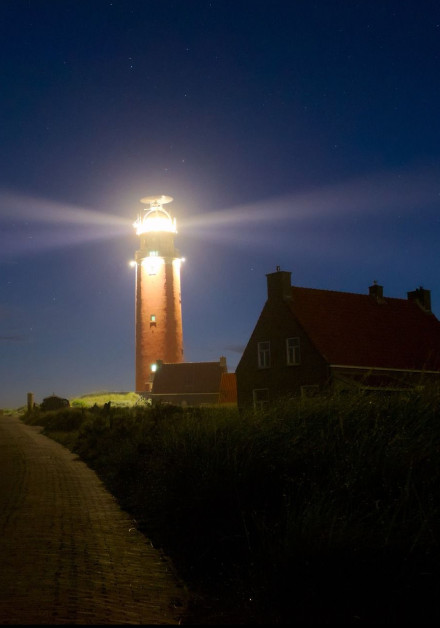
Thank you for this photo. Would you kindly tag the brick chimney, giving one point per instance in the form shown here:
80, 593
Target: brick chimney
376, 291
422, 297
223, 364
279, 285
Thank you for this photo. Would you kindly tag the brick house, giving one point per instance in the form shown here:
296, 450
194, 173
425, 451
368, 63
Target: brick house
193, 384
308, 340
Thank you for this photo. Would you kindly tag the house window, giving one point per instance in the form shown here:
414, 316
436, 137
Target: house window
260, 398
293, 354
264, 354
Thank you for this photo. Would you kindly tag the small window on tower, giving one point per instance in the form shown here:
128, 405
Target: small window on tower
152, 320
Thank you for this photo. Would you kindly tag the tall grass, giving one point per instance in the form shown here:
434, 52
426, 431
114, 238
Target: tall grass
318, 508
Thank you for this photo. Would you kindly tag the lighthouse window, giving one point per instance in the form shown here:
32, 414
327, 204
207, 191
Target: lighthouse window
153, 318
152, 264
154, 253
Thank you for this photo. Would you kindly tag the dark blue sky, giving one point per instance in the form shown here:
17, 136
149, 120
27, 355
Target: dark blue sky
303, 134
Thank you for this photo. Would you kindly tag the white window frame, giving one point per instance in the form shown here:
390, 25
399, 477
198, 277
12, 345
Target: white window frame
263, 353
293, 351
260, 398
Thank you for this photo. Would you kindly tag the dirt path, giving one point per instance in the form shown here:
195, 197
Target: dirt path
68, 553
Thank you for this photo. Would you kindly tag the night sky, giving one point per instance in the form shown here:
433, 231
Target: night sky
302, 134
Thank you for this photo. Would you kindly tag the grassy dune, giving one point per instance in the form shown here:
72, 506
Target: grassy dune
120, 400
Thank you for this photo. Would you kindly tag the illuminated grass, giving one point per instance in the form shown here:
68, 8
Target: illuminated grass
121, 400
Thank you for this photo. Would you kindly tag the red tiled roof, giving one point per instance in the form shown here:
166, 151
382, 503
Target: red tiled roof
359, 330
228, 388
187, 377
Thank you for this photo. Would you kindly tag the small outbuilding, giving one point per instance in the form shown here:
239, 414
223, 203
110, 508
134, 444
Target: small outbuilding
193, 384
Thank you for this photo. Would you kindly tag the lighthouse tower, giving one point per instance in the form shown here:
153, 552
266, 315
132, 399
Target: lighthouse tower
158, 304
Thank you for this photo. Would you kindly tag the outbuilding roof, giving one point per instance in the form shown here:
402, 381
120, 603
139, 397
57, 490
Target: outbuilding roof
228, 388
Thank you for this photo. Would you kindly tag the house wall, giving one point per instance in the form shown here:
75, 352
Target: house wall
349, 379
275, 324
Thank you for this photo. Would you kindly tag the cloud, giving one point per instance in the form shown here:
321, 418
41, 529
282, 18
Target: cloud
235, 348
13, 338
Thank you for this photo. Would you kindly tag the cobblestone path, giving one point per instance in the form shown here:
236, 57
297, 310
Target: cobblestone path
68, 553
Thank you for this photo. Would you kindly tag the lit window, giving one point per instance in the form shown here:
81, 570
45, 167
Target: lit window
264, 354
153, 318
260, 398
152, 263
293, 354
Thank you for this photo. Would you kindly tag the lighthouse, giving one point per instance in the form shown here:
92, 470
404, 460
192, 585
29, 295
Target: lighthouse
158, 310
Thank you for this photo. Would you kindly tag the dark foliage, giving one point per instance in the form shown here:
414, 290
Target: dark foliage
318, 511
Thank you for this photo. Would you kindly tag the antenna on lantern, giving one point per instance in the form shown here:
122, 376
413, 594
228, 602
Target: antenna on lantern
156, 201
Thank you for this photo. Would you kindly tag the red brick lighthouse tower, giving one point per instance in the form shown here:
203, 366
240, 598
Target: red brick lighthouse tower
158, 304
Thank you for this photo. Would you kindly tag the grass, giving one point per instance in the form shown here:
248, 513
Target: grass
322, 510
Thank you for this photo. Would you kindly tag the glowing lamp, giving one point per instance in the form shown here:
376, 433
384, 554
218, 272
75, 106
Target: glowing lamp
156, 218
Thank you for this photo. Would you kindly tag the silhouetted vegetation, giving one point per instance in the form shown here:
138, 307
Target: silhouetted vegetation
320, 510
54, 403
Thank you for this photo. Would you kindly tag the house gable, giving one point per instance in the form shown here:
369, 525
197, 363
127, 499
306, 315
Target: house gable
345, 336
277, 325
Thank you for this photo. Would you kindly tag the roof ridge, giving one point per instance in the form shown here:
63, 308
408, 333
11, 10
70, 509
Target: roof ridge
356, 294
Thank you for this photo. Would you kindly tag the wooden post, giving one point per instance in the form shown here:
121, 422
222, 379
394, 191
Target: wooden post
30, 402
